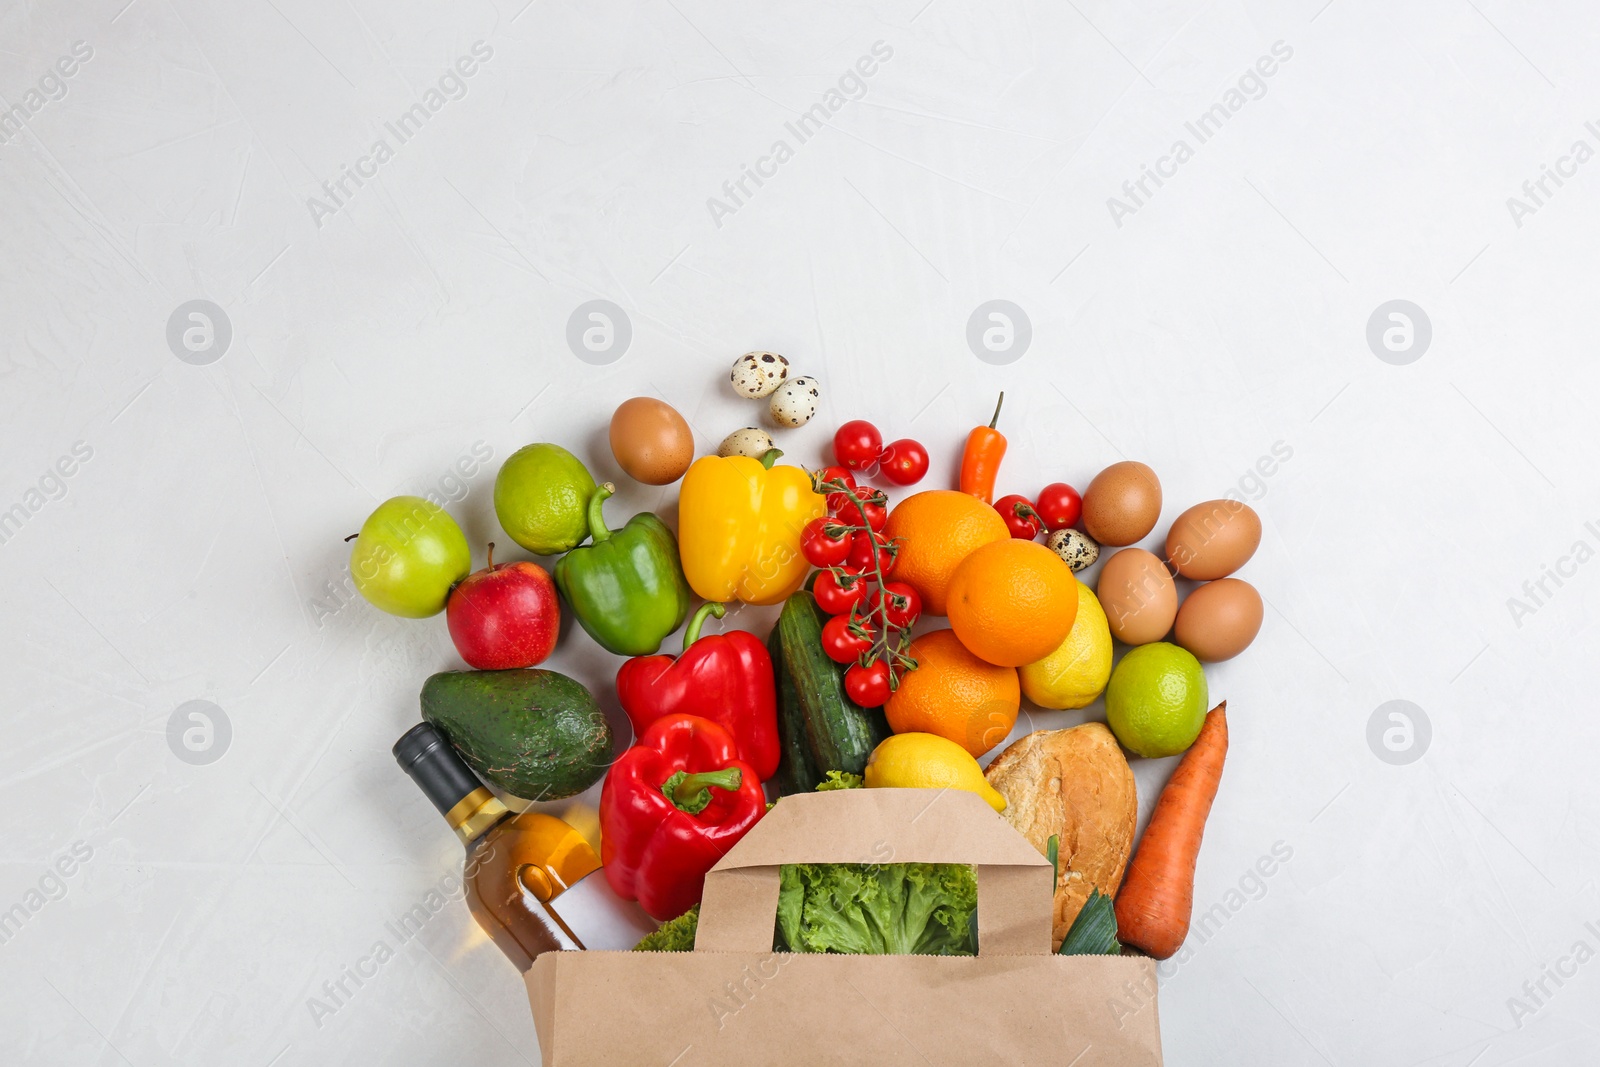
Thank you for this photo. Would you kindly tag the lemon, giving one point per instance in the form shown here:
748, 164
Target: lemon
928, 761
1156, 701
1076, 672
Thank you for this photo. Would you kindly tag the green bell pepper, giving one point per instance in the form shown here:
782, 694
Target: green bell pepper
627, 588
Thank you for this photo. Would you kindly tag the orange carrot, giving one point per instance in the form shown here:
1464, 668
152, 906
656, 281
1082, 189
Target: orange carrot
1157, 895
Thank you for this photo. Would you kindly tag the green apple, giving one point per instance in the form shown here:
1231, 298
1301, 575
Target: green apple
407, 557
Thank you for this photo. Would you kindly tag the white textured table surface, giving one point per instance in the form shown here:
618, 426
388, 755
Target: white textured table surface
1431, 516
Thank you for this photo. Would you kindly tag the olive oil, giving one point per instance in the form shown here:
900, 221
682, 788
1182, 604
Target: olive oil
531, 881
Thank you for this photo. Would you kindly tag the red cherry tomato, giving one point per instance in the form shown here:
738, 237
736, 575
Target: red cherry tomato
904, 605
840, 644
904, 462
877, 514
861, 550
857, 444
833, 474
822, 549
1021, 517
1059, 505
835, 598
868, 686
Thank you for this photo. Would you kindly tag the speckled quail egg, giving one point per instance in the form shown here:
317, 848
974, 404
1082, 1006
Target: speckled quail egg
1078, 549
795, 401
757, 374
746, 442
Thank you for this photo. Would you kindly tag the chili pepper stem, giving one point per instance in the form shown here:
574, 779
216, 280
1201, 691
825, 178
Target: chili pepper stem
690, 793
692, 634
770, 456
997, 404
597, 522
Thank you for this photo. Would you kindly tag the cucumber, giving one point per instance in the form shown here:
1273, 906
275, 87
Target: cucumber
840, 734
797, 772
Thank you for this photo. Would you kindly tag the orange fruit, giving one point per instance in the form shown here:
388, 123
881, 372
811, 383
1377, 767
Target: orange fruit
955, 695
937, 528
1012, 602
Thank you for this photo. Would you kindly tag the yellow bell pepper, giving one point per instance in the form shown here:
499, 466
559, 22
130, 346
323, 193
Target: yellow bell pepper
739, 526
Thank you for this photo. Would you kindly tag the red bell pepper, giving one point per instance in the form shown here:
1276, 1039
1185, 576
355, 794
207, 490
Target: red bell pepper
672, 806
725, 677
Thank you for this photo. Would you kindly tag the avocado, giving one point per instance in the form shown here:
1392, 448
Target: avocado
533, 733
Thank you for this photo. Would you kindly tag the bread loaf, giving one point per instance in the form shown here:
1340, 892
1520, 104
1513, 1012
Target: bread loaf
1077, 785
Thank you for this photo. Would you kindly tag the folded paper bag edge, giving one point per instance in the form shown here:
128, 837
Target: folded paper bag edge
882, 826
541, 985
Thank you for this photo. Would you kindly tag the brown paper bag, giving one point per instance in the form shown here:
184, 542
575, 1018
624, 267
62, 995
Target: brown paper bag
733, 1001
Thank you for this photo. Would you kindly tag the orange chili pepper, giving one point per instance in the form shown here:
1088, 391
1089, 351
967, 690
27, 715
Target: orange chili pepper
980, 461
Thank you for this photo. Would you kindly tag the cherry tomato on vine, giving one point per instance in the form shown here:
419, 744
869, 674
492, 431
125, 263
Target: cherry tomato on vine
1059, 505
861, 551
1021, 517
904, 462
840, 644
857, 444
877, 514
835, 598
834, 474
903, 604
822, 549
868, 686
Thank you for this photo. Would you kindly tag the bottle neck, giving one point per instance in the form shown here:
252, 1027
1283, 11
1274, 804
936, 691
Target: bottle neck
474, 814
445, 779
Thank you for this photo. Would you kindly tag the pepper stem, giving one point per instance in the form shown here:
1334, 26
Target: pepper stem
690, 793
997, 404
597, 520
692, 634
770, 456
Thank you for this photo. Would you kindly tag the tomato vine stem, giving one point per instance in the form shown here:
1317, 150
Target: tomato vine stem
889, 642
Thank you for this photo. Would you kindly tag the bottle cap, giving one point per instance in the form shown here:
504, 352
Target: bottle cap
425, 754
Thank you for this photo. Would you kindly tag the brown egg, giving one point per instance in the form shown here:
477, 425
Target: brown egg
1219, 619
651, 441
1214, 539
1139, 596
1122, 504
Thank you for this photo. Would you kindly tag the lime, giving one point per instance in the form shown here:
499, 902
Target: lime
1156, 702
1076, 672
541, 497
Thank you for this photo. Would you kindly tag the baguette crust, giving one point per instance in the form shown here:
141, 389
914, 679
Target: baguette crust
1075, 784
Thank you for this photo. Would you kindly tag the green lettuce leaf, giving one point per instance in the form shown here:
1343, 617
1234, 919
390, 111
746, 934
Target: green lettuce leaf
924, 909
674, 935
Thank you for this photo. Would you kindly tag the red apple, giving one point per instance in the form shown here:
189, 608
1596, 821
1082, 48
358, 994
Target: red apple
505, 616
